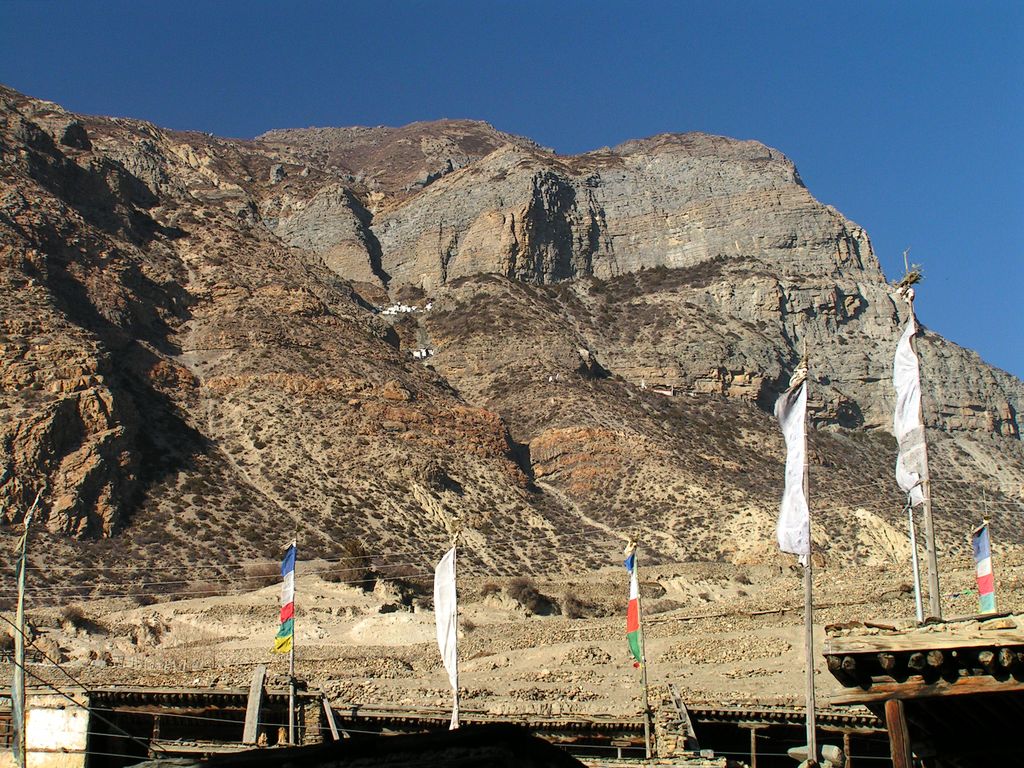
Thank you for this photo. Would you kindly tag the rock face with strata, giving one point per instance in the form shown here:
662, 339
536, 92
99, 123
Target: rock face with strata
373, 333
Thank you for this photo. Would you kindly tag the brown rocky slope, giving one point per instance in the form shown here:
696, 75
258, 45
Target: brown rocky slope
197, 365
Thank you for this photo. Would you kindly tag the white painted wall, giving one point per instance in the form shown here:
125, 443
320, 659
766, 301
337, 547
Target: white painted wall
55, 734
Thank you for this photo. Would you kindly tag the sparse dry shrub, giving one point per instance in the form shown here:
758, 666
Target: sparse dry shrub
352, 567
490, 588
73, 617
524, 592
573, 607
743, 578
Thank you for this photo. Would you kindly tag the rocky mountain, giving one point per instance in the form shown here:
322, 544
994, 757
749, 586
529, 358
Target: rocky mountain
375, 335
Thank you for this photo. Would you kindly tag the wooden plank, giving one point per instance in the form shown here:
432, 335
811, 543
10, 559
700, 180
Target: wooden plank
918, 689
329, 713
252, 709
899, 736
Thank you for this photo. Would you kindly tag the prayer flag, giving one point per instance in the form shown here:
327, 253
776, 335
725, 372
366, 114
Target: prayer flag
982, 547
446, 616
912, 461
286, 633
633, 610
794, 527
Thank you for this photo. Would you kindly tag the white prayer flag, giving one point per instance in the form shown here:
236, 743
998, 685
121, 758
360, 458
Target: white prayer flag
446, 616
794, 528
912, 461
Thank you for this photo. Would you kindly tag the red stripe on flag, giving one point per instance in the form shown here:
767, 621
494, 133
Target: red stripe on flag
287, 611
986, 584
632, 616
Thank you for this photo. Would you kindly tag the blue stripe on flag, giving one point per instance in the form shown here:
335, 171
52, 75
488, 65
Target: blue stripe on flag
631, 562
288, 564
980, 544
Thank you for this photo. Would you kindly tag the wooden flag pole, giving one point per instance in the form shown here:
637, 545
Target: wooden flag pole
455, 576
291, 653
934, 596
643, 660
18, 686
919, 607
812, 746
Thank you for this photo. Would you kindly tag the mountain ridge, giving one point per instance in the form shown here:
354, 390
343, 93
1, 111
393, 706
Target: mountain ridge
196, 328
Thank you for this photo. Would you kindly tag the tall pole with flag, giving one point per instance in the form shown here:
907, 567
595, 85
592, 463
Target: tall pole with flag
635, 635
446, 617
18, 681
794, 527
285, 640
908, 426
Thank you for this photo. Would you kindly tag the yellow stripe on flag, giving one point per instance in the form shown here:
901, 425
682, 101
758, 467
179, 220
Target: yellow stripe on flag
283, 644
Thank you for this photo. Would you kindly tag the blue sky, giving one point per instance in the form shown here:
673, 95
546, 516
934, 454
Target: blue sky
908, 117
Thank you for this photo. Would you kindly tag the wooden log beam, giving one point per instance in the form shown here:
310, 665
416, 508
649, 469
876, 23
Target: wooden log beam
915, 641
899, 736
934, 658
887, 661
1006, 658
919, 689
917, 662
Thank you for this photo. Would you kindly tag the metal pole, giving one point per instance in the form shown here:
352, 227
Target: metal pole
643, 664
934, 596
913, 559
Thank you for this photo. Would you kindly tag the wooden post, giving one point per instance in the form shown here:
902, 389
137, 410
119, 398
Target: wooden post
291, 653
250, 732
846, 750
899, 736
812, 746
691, 742
934, 601
455, 575
918, 605
753, 748
329, 714
643, 663
19, 715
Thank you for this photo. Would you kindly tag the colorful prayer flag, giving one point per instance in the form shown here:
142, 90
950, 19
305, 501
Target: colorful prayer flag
794, 527
286, 634
633, 609
982, 547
